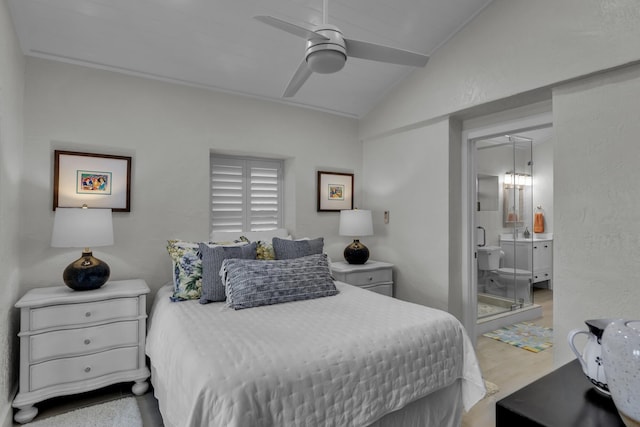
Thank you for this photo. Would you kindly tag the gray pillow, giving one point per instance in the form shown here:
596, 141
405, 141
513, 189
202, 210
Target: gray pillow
212, 258
287, 249
252, 283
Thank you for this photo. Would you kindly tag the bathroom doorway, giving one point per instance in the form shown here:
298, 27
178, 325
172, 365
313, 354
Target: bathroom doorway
503, 195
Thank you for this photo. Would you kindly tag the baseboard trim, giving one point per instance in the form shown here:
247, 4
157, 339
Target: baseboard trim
492, 323
7, 417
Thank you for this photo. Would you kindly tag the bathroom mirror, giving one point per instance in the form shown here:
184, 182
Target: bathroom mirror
513, 197
487, 192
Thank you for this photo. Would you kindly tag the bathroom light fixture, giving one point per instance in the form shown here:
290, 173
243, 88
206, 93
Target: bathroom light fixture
83, 228
356, 223
519, 179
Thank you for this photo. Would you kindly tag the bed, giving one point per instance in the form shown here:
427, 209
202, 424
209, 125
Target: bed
356, 358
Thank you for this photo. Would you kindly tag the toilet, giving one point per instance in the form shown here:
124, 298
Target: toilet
498, 280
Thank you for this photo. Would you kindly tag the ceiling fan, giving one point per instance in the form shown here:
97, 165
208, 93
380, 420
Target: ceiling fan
327, 50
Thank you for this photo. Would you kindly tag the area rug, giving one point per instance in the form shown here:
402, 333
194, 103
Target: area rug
117, 413
528, 336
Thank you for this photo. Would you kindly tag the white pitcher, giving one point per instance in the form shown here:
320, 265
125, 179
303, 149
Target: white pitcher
621, 354
591, 356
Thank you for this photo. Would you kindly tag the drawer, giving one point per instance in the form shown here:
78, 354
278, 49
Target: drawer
368, 277
78, 314
384, 289
72, 369
541, 276
71, 342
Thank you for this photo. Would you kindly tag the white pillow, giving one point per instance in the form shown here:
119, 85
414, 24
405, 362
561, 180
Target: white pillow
253, 236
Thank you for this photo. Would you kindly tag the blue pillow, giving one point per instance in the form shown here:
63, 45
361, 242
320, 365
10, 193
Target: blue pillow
287, 249
252, 283
212, 258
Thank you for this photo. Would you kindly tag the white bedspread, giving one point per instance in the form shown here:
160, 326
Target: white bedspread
342, 360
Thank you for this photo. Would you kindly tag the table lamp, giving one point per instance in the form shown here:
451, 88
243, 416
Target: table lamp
83, 228
356, 223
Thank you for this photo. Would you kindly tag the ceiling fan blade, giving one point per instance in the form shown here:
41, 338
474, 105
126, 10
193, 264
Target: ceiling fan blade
301, 75
294, 29
376, 52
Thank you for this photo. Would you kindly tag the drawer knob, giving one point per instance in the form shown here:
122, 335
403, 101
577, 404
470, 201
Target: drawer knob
370, 278
87, 314
87, 341
87, 369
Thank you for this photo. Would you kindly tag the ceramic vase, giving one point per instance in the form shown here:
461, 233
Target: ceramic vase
621, 359
591, 356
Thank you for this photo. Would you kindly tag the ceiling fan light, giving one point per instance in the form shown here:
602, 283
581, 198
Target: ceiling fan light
326, 61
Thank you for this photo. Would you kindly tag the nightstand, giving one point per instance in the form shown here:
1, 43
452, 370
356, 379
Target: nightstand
72, 341
375, 276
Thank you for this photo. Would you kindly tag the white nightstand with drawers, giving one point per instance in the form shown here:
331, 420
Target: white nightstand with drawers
77, 341
376, 276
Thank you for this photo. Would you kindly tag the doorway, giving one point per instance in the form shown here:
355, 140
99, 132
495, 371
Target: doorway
499, 206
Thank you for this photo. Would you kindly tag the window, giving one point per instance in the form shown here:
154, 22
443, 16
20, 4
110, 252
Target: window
246, 193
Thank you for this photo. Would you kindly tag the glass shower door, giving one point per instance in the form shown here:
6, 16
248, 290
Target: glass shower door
505, 225
517, 243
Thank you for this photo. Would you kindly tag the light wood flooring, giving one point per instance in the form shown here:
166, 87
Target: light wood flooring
509, 367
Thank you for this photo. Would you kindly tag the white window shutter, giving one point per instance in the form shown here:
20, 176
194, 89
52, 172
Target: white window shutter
246, 194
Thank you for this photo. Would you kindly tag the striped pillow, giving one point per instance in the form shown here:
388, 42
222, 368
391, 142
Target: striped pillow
251, 283
212, 258
287, 249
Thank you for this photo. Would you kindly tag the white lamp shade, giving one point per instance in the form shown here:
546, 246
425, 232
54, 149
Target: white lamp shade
355, 223
82, 228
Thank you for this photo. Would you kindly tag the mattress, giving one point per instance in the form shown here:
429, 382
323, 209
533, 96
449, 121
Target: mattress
348, 359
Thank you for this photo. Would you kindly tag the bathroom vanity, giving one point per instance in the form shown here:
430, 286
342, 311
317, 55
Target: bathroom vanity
532, 254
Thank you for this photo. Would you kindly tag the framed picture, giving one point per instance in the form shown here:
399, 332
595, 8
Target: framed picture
335, 191
97, 180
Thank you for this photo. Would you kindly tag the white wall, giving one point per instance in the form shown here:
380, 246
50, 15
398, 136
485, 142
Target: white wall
511, 54
597, 201
543, 180
11, 124
511, 47
169, 130
416, 195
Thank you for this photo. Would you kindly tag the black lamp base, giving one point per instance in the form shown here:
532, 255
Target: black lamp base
356, 253
86, 273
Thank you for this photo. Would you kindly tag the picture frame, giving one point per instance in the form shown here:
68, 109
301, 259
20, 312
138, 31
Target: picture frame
335, 191
97, 180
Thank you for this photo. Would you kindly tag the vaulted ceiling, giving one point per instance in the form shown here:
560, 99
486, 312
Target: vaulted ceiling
217, 44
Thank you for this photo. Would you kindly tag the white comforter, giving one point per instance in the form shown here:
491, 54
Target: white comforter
342, 360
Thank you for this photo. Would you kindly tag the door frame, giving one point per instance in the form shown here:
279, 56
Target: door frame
531, 117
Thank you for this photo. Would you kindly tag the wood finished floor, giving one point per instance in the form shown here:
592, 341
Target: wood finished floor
509, 367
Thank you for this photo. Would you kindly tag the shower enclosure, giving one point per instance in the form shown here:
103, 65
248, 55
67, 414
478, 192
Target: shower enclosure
504, 220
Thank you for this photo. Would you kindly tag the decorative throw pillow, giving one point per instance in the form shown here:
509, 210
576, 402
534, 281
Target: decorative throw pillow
187, 267
288, 249
264, 251
251, 283
187, 270
212, 258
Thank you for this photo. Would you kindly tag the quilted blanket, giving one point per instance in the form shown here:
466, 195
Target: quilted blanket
347, 359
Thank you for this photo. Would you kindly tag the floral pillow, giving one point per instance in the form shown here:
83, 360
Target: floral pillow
187, 267
264, 251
